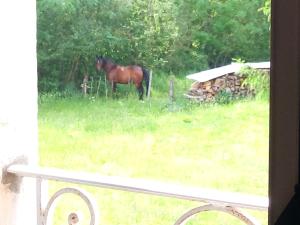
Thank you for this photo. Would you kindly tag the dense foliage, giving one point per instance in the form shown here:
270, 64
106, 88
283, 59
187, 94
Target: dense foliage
169, 36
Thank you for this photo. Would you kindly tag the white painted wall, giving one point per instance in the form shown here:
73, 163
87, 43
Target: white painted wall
18, 108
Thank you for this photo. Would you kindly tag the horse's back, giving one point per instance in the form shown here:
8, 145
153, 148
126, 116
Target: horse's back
135, 68
136, 73
126, 74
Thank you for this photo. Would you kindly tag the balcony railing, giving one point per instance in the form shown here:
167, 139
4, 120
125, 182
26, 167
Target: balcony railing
227, 202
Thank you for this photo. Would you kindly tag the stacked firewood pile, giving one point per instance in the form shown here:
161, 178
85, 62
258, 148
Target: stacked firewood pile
232, 84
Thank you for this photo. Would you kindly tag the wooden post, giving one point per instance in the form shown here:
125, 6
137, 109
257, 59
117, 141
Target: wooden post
150, 83
171, 91
106, 91
84, 84
18, 113
98, 87
92, 84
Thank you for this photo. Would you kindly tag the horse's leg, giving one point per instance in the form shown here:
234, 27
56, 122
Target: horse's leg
113, 88
140, 89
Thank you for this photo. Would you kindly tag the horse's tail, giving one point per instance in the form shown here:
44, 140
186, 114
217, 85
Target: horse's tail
146, 78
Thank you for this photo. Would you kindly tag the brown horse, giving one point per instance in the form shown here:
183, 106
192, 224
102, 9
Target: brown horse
124, 74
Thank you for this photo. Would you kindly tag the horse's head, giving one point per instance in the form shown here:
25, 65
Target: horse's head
99, 62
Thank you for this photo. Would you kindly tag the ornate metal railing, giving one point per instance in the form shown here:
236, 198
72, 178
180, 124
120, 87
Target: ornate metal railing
215, 200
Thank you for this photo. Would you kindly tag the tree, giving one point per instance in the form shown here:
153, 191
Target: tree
167, 35
266, 9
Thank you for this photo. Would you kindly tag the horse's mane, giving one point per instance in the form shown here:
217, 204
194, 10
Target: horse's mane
108, 61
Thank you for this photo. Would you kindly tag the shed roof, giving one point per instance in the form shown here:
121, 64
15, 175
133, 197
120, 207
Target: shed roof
221, 71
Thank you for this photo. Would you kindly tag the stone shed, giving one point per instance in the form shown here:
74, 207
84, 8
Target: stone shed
226, 78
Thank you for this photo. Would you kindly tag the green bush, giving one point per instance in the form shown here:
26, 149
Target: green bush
258, 81
224, 97
169, 36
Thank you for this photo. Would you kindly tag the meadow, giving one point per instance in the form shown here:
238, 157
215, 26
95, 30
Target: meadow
218, 146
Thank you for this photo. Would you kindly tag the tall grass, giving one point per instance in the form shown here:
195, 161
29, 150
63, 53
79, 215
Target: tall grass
257, 80
215, 146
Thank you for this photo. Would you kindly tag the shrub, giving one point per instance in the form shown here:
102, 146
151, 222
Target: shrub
258, 81
224, 97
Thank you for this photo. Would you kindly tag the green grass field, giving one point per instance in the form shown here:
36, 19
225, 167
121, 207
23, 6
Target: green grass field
223, 147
